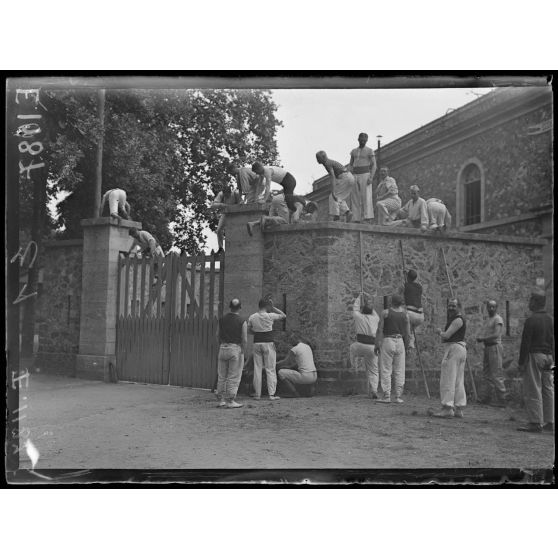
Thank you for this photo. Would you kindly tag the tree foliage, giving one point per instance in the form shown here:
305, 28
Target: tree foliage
169, 149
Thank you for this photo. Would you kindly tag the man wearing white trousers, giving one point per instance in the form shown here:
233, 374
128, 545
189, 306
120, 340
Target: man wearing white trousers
233, 339
366, 326
392, 342
260, 325
452, 375
387, 196
343, 189
363, 167
116, 200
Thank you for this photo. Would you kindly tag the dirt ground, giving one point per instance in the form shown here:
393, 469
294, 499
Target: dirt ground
94, 425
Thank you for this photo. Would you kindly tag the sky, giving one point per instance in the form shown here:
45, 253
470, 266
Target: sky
331, 119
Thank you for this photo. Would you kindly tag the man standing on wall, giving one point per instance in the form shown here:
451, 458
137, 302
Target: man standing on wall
414, 213
493, 372
225, 197
452, 376
412, 293
233, 339
363, 166
260, 325
391, 343
249, 183
536, 360
343, 188
366, 326
387, 196
280, 176
116, 200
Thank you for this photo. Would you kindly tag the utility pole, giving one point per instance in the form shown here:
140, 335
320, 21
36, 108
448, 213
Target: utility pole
99, 158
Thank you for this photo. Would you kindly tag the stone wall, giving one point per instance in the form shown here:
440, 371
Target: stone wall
59, 303
318, 268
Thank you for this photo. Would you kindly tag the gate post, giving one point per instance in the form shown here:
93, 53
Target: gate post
244, 261
103, 240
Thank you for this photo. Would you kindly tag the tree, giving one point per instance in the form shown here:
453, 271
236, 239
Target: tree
168, 149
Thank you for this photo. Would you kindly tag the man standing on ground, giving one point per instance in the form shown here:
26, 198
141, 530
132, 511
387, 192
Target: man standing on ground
391, 343
412, 294
387, 196
343, 188
249, 184
452, 376
363, 166
301, 358
536, 360
225, 197
414, 213
260, 325
438, 215
233, 339
493, 371
116, 200
366, 326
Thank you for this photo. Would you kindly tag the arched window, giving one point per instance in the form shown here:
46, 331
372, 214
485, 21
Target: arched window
470, 193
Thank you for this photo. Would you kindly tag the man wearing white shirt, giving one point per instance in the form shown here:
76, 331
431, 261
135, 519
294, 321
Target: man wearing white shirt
300, 357
260, 325
366, 325
363, 167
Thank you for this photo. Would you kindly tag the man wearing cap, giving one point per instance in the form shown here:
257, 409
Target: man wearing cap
233, 338
363, 167
493, 372
439, 217
343, 189
116, 200
452, 375
414, 213
536, 360
366, 322
387, 196
391, 344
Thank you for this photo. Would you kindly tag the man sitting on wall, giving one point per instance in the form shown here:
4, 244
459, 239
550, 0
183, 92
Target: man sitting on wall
298, 369
414, 213
389, 202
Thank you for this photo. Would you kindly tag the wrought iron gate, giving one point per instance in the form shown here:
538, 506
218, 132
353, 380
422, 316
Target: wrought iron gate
167, 319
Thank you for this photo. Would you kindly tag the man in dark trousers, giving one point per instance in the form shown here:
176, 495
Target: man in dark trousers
392, 342
536, 361
233, 337
493, 371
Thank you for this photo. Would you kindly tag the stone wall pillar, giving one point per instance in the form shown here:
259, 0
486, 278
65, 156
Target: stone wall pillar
243, 259
103, 239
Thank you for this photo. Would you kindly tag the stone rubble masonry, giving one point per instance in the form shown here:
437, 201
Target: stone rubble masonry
59, 306
318, 267
103, 240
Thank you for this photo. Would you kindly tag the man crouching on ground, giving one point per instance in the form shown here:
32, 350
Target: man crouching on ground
301, 358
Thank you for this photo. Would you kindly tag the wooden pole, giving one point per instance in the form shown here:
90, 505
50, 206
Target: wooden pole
99, 157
